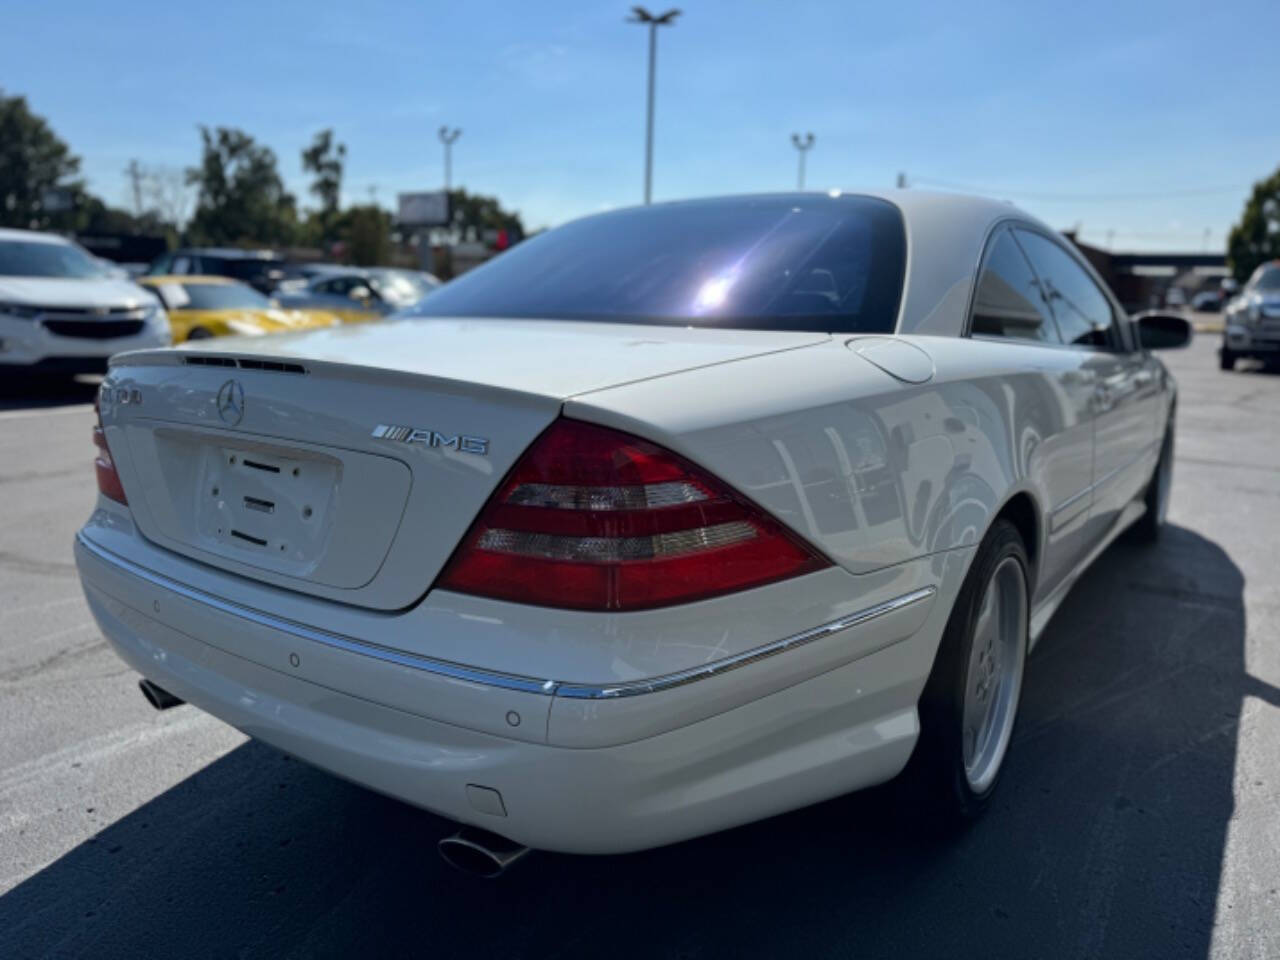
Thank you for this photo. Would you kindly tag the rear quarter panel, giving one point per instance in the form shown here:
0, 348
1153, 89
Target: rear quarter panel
874, 471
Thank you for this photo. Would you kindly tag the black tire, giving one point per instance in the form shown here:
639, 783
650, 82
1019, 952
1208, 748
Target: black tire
936, 771
1226, 359
1156, 498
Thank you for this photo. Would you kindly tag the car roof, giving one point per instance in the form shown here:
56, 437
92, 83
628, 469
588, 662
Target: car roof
946, 235
156, 279
30, 236
229, 253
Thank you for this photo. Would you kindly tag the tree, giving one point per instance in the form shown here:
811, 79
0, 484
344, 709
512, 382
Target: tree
167, 193
324, 158
366, 230
1256, 238
473, 214
33, 161
241, 198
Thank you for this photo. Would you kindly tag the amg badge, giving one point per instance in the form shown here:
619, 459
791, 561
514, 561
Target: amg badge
431, 438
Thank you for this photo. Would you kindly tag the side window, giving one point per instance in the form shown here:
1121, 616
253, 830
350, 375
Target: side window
337, 288
1009, 302
181, 265
1082, 310
160, 266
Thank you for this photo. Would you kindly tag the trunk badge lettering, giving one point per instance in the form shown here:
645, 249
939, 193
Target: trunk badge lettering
432, 438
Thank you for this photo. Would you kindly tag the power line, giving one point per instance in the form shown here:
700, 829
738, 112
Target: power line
1078, 197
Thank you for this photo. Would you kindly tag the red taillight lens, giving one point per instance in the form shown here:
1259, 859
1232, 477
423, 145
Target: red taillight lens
103, 465
595, 519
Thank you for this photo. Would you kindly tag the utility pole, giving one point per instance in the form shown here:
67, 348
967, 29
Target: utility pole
134, 173
643, 16
1208, 231
447, 137
902, 181
804, 145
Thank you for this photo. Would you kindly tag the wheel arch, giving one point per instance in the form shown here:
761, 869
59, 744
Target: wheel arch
1022, 510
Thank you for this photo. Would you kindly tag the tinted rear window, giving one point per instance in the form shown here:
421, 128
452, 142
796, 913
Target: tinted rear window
831, 264
220, 296
240, 268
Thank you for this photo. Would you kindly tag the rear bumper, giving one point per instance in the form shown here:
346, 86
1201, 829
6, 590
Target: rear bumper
432, 737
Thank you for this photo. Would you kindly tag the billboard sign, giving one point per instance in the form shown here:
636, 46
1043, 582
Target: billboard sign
429, 209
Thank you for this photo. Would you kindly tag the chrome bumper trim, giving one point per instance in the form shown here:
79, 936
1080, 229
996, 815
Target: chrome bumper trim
668, 681
507, 681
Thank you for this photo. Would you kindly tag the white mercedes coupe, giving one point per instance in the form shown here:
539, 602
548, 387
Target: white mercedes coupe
666, 520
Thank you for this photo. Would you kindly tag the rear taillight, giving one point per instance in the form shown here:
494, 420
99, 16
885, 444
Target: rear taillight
595, 519
103, 465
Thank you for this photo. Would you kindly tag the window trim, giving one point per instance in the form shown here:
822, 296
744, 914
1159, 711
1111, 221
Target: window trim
1115, 333
1005, 226
1129, 345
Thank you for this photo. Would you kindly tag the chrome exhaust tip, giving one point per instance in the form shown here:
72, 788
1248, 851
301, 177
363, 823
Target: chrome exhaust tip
157, 696
480, 853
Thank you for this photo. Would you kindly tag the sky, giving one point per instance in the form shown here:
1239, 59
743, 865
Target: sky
1143, 124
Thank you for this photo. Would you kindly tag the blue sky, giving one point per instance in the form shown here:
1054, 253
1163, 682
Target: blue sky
1147, 119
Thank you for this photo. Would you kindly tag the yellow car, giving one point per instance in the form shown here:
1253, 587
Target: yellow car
202, 307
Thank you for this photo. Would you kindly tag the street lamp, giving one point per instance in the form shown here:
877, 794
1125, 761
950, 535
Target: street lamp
804, 145
447, 137
641, 15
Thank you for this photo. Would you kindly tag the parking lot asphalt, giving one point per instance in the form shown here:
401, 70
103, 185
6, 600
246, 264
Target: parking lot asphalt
1139, 815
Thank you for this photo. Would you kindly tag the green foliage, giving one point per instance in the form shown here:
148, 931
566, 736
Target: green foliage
94, 216
240, 196
366, 231
478, 212
1256, 238
33, 159
324, 158
242, 199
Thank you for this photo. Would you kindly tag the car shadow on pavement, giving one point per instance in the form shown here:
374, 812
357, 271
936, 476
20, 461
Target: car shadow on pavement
1106, 838
24, 391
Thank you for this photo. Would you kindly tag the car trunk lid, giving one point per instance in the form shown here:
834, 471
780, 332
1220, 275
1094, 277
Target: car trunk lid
348, 463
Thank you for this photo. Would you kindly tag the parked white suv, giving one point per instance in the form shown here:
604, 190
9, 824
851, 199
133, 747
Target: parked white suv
60, 309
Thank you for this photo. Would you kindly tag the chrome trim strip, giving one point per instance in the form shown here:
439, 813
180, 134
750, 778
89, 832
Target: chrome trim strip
668, 681
1069, 502
1097, 485
507, 681
445, 668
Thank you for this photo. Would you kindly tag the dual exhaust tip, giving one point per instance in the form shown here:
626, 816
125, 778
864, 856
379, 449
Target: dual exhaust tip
471, 850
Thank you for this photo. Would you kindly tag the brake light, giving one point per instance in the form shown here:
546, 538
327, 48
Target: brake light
594, 519
103, 465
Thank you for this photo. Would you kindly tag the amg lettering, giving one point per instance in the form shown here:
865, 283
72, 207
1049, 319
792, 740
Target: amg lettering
462, 443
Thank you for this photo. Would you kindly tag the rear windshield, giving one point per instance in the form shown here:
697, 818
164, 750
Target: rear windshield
212, 296
243, 268
797, 262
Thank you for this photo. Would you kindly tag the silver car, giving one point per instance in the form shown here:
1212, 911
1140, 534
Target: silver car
1252, 327
361, 293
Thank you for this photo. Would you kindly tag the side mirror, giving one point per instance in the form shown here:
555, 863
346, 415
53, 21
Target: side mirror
1162, 331
361, 293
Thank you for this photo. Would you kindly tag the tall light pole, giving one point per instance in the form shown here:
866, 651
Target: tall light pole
804, 145
641, 15
447, 137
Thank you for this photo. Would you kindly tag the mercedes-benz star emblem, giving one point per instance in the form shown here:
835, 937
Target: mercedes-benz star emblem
231, 402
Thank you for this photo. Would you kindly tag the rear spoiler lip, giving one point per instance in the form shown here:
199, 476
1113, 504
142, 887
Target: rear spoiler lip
352, 372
